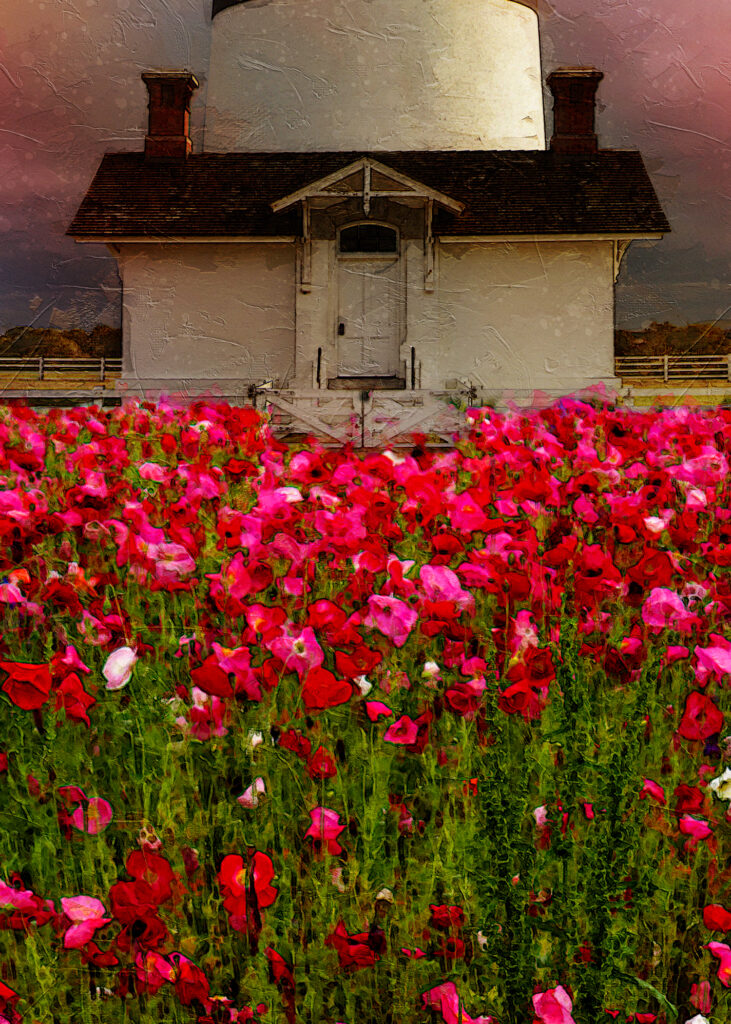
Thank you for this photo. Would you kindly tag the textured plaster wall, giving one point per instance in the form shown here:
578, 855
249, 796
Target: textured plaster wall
520, 315
504, 315
371, 74
212, 311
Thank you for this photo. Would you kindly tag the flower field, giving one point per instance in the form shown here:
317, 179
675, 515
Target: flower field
304, 736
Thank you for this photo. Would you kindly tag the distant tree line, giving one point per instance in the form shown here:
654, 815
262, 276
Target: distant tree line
655, 340
19, 342
702, 339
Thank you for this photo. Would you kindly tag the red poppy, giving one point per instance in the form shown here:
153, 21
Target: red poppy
357, 663
690, 799
190, 982
654, 569
27, 685
154, 871
423, 723
446, 546
521, 697
73, 698
90, 953
322, 690
8, 1000
353, 951
701, 717
321, 764
326, 617
716, 918
451, 948
131, 901
463, 698
210, 678
446, 917
234, 878
279, 968
293, 740
146, 931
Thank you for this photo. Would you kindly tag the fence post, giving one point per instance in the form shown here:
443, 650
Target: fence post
40, 367
665, 368
102, 368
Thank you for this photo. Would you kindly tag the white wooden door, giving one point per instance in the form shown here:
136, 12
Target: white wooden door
369, 317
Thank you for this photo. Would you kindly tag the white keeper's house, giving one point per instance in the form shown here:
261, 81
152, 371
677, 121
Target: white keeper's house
376, 221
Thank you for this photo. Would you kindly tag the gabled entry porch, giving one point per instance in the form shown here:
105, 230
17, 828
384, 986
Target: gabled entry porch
365, 259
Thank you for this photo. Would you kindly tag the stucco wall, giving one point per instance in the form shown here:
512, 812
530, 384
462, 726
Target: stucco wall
519, 315
209, 310
291, 75
503, 315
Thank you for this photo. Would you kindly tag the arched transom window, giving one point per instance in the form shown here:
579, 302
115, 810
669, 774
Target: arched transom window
368, 238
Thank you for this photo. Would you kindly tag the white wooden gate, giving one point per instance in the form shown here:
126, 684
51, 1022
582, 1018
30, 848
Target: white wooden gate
376, 419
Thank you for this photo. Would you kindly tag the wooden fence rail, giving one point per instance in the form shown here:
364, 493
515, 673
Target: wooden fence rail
38, 368
665, 368
676, 367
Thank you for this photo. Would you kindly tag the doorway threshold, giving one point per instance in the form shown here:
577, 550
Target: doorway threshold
366, 383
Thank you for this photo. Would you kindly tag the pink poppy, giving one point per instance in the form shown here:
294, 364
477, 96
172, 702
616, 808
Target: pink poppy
299, 650
86, 915
265, 620
553, 1006
404, 730
664, 609
700, 997
153, 970
237, 662
465, 513
442, 584
445, 999
652, 789
712, 661
19, 899
118, 667
698, 828
98, 815
722, 952
394, 618
326, 827
172, 562
250, 796
376, 708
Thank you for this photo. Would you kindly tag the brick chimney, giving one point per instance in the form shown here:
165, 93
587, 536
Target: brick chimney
169, 120
574, 90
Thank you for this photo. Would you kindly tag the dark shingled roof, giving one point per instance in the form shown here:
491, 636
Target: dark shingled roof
525, 192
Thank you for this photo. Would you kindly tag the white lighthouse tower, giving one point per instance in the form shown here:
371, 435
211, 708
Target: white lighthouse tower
327, 75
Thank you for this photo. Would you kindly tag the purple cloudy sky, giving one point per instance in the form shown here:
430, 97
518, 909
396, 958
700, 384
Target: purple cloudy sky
70, 89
